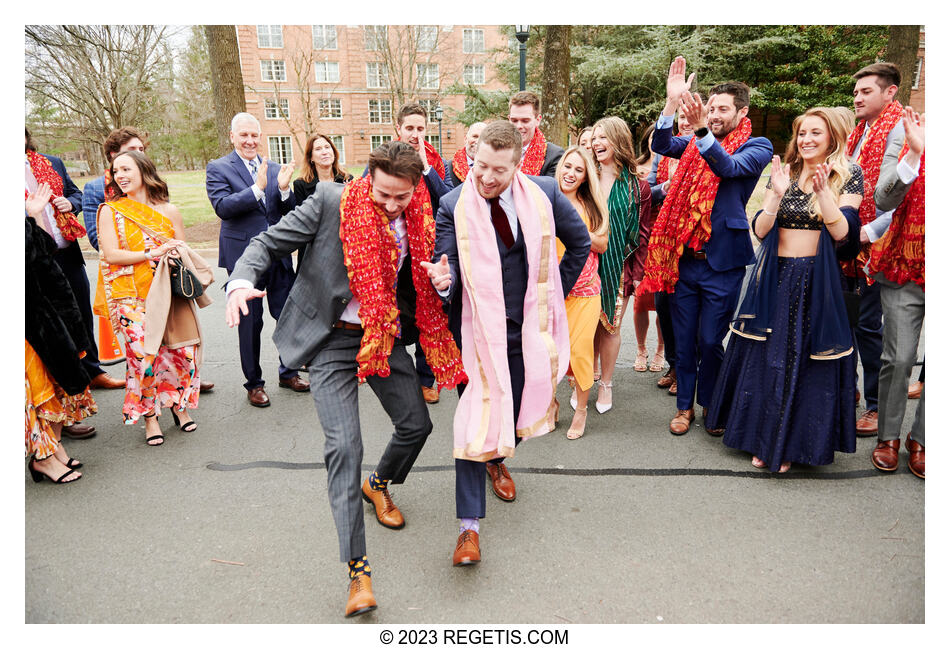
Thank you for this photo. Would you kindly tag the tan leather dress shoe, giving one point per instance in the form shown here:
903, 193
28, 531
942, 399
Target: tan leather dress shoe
105, 382
667, 379
867, 424
387, 513
884, 455
501, 482
361, 599
79, 431
916, 460
206, 386
258, 397
467, 552
913, 392
681, 422
295, 383
431, 395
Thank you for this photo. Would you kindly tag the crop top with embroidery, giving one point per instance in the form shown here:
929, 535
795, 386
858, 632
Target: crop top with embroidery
793, 211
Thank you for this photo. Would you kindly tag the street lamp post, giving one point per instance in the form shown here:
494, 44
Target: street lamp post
521, 33
438, 118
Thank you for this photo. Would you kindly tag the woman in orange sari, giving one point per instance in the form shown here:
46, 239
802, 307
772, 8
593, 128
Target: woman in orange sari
57, 385
136, 229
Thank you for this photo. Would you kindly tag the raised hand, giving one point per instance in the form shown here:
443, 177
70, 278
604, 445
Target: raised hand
819, 181
781, 176
237, 304
676, 82
693, 109
261, 180
914, 130
439, 273
38, 200
283, 176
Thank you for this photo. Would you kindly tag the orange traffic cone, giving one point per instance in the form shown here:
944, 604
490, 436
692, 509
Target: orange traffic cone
110, 352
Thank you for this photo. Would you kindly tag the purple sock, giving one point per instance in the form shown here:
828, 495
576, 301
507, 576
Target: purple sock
468, 524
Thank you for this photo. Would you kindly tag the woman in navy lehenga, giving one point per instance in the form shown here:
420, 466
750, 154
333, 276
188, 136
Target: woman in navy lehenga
785, 392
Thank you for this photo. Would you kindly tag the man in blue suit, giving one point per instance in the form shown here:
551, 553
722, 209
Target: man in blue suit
710, 279
248, 194
497, 158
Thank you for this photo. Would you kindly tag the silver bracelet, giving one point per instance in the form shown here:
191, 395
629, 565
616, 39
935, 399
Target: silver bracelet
767, 213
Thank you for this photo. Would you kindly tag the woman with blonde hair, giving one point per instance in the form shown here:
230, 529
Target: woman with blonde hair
628, 206
785, 392
321, 163
577, 179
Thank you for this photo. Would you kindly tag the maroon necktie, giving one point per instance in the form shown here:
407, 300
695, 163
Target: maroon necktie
500, 220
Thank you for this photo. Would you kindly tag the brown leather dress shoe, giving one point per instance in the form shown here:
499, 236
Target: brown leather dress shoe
105, 382
206, 386
916, 460
501, 482
387, 513
715, 432
79, 431
672, 389
867, 424
295, 383
431, 395
258, 397
681, 422
467, 552
361, 599
884, 455
913, 392
857, 397
667, 379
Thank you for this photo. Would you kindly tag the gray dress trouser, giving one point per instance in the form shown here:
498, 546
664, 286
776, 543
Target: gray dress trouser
903, 306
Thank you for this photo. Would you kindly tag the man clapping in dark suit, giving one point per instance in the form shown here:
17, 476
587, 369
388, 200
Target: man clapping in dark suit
249, 195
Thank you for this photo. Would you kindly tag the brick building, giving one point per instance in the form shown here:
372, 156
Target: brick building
348, 81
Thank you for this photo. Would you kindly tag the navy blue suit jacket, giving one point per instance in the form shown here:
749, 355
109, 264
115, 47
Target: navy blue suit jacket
730, 244
242, 217
74, 195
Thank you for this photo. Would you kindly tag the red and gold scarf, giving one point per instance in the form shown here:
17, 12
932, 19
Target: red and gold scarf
870, 158
533, 158
460, 164
69, 226
663, 170
899, 254
686, 215
371, 255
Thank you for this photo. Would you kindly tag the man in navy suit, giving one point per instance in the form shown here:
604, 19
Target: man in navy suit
457, 165
710, 279
248, 194
496, 161
524, 111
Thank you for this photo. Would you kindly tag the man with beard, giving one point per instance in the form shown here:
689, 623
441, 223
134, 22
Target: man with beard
464, 158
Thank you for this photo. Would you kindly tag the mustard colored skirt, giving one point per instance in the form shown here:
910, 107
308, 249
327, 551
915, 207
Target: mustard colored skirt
583, 314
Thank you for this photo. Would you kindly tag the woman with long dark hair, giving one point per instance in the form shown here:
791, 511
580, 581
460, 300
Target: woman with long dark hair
321, 163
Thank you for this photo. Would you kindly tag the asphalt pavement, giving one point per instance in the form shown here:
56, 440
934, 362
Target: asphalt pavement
629, 524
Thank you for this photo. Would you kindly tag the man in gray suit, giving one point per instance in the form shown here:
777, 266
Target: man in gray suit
322, 325
902, 303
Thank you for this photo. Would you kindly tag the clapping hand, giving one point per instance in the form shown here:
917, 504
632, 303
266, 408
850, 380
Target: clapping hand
676, 82
261, 180
781, 176
283, 176
693, 109
914, 130
38, 200
439, 273
819, 181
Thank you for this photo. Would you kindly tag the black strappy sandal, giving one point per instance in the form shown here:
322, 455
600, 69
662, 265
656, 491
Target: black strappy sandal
160, 436
38, 475
188, 426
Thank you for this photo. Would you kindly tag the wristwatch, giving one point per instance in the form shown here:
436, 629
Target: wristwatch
700, 133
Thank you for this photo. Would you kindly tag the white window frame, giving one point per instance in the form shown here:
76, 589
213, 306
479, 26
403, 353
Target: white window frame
274, 107
380, 140
917, 70
430, 105
473, 45
269, 34
332, 106
273, 65
384, 111
373, 36
430, 41
331, 71
338, 143
284, 152
469, 76
433, 140
379, 79
328, 42
427, 81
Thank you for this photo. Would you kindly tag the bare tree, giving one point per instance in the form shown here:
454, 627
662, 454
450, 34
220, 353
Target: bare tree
903, 42
556, 83
227, 84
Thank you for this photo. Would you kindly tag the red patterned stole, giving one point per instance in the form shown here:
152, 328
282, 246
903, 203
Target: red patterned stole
533, 158
899, 254
663, 170
69, 227
371, 255
460, 164
686, 215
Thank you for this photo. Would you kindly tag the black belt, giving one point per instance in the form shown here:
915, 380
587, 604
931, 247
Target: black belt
695, 254
350, 326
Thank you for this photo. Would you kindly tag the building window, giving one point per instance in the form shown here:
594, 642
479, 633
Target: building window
276, 108
324, 37
474, 74
375, 141
376, 76
473, 41
273, 71
428, 74
433, 140
330, 109
426, 37
278, 149
327, 71
920, 65
338, 143
430, 105
375, 36
270, 36
380, 111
